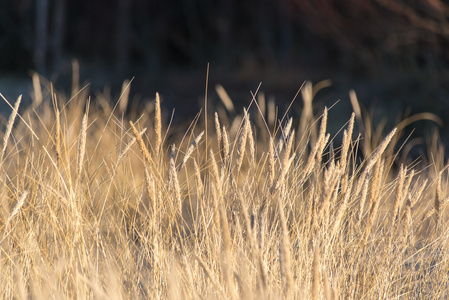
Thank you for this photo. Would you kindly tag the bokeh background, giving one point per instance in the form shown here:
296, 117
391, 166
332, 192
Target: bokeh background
394, 54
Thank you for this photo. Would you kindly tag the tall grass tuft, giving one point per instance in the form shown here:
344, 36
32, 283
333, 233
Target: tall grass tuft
95, 206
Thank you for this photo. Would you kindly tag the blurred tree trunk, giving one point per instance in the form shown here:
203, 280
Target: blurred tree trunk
265, 31
58, 33
41, 37
285, 33
195, 45
122, 31
224, 25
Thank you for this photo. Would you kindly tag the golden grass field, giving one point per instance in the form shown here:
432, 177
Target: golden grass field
99, 204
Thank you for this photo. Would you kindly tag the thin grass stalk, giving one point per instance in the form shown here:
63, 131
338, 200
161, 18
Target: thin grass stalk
219, 135
437, 201
338, 192
216, 173
407, 216
247, 220
408, 204
236, 126
356, 107
331, 152
281, 178
128, 146
158, 124
361, 181
227, 242
284, 135
408, 183
15, 211
322, 137
310, 209
124, 98
82, 143
9, 125
377, 154
24, 171
272, 111
224, 97
75, 78
323, 126
347, 136
216, 191
307, 112
211, 277
174, 182
200, 194
316, 274
37, 90
254, 247
226, 147
189, 277
373, 200
399, 193
417, 195
252, 147
285, 253
288, 148
261, 105
341, 211
261, 239
199, 181
58, 137
331, 180
190, 149
271, 164
315, 155
363, 199
141, 143
242, 142
151, 190
407, 220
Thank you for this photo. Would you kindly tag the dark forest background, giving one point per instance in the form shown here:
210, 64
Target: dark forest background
393, 53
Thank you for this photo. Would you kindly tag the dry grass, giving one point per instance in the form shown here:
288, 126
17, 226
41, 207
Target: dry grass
94, 205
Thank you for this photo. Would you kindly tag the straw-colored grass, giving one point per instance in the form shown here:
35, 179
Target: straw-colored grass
95, 206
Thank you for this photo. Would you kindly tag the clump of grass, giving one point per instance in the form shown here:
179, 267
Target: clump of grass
251, 210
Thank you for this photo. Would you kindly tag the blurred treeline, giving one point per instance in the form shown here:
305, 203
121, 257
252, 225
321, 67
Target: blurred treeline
392, 52
355, 34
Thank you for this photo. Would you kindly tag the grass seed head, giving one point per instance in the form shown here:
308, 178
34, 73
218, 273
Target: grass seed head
9, 125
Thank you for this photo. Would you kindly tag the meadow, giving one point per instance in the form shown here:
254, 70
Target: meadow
97, 203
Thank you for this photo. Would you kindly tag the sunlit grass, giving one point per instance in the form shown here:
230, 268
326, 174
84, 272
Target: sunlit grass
99, 204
